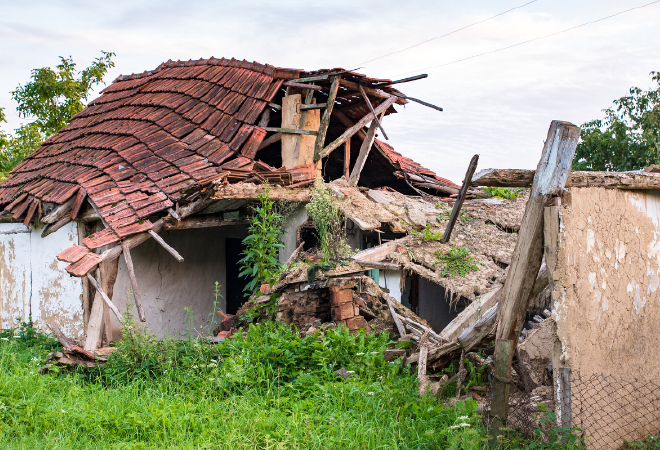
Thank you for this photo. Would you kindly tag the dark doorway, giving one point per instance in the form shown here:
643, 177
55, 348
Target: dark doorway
235, 284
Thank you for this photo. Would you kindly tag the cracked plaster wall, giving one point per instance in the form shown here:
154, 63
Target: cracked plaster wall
607, 300
34, 283
168, 286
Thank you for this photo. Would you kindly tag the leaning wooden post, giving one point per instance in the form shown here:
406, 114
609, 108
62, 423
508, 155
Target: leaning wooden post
549, 180
461, 198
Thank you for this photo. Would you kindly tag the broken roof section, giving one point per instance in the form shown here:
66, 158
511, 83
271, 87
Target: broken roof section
157, 139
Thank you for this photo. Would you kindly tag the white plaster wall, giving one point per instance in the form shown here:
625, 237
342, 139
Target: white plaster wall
168, 287
290, 236
34, 283
391, 279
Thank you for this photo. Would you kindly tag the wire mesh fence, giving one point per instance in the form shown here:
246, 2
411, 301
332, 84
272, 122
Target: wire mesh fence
607, 412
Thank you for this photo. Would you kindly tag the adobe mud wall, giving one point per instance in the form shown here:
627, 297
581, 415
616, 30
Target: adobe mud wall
607, 307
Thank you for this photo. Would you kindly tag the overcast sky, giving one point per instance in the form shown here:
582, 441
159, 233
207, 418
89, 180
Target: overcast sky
498, 105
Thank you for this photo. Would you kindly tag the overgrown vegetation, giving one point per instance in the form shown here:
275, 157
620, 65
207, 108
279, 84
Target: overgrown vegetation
457, 261
329, 223
51, 98
270, 389
260, 262
505, 193
628, 138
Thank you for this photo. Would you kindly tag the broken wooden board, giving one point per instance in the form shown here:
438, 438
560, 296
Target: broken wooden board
577, 179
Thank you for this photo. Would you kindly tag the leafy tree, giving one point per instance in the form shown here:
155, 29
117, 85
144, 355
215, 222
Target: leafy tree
51, 98
629, 136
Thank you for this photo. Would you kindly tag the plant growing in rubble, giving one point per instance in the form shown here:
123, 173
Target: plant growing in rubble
427, 235
457, 261
329, 223
260, 262
500, 192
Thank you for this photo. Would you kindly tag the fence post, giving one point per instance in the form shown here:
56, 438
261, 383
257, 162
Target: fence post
565, 397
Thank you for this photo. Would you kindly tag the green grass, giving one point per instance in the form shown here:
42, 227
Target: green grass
269, 390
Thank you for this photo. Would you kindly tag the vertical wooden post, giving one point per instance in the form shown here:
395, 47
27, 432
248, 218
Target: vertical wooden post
347, 158
501, 381
461, 198
550, 179
325, 120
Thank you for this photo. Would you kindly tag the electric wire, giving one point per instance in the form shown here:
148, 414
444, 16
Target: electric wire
445, 35
527, 41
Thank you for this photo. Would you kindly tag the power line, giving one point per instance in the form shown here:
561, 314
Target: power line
529, 40
445, 35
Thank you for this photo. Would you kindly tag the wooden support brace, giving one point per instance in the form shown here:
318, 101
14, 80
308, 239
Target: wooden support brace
461, 198
367, 143
399, 325
275, 106
313, 106
550, 179
355, 128
131, 274
270, 140
313, 87
106, 299
166, 246
291, 131
371, 108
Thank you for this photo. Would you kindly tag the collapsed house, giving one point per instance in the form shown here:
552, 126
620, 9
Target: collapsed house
143, 197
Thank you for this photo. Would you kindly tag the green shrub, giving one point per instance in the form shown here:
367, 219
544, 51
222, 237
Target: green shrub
260, 262
457, 261
329, 224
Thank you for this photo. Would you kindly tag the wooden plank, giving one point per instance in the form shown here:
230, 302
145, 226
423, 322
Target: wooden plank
378, 265
565, 397
404, 80
365, 148
265, 118
313, 106
379, 252
165, 245
313, 87
292, 131
550, 178
106, 299
275, 106
551, 240
576, 179
59, 212
371, 108
325, 120
270, 140
458, 204
203, 222
316, 78
355, 128
53, 227
421, 102
137, 297
95, 322
423, 355
373, 92
347, 159
395, 317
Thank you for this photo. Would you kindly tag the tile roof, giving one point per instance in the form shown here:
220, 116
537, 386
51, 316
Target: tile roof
152, 136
